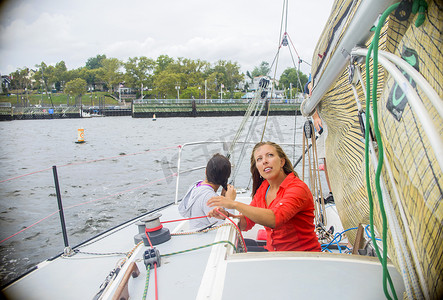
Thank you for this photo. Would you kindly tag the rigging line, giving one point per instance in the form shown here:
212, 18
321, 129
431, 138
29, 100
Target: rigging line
296, 71
26, 228
251, 126
270, 98
298, 56
286, 21
20, 176
243, 123
275, 58
299, 59
281, 23
295, 133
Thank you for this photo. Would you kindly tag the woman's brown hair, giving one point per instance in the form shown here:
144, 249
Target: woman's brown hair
256, 178
218, 170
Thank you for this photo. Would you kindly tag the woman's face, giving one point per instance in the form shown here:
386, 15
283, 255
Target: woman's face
267, 161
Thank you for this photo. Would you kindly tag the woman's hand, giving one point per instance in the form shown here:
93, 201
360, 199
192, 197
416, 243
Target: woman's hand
221, 201
231, 192
317, 121
217, 213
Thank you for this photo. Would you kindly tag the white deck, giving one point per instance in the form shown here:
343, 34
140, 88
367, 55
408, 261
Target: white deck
209, 273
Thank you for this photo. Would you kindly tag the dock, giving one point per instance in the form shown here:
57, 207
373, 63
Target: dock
146, 109
207, 109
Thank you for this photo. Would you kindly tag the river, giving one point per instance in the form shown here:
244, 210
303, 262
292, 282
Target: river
125, 168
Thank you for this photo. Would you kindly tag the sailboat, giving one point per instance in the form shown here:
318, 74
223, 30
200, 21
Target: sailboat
176, 262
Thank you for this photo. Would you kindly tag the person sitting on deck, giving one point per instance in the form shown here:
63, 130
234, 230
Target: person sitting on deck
193, 204
281, 202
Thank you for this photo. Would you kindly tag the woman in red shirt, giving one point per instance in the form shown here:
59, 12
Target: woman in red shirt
281, 202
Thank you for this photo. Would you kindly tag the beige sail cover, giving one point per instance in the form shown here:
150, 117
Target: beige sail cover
417, 175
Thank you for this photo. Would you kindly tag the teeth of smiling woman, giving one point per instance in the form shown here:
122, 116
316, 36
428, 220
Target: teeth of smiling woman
267, 169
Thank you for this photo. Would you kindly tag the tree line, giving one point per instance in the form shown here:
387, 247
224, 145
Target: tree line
164, 77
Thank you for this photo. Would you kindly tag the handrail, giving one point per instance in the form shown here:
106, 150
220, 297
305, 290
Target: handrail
415, 103
357, 33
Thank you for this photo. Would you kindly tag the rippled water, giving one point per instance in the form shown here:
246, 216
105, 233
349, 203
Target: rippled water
125, 168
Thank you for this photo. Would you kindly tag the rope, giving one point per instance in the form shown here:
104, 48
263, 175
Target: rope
374, 48
155, 268
281, 40
314, 175
178, 220
338, 234
252, 126
419, 6
215, 228
200, 231
201, 247
145, 291
238, 229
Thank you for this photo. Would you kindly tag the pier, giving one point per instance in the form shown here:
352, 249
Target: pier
208, 108
147, 108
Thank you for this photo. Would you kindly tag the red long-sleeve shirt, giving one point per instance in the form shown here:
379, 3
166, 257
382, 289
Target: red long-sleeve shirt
294, 216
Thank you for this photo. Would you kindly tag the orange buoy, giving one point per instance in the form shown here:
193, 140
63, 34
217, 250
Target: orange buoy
80, 136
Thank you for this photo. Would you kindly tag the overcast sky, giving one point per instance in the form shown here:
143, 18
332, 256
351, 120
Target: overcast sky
246, 32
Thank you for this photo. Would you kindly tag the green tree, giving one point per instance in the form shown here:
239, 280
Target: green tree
262, 70
165, 84
44, 74
162, 63
191, 92
76, 87
139, 71
20, 79
111, 72
91, 76
60, 75
231, 75
213, 83
95, 62
191, 72
289, 76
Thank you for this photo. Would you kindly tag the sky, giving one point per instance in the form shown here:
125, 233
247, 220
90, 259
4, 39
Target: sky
246, 32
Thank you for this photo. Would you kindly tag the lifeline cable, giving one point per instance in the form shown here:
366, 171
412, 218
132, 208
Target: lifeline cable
72, 206
85, 162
